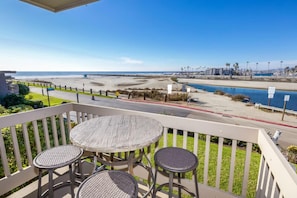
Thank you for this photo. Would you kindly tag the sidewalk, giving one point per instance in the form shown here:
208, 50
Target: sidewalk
222, 105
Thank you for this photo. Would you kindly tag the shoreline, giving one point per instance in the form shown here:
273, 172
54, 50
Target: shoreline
285, 86
208, 101
113, 83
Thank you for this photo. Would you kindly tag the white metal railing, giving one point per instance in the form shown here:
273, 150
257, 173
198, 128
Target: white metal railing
51, 127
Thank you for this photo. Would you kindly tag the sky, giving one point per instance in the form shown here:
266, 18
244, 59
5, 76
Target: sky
149, 35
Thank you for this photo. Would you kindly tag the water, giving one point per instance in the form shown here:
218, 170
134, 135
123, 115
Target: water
256, 95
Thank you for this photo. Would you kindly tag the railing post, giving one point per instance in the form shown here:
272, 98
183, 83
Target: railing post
77, 99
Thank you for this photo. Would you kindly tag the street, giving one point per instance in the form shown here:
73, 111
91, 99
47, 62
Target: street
288, 136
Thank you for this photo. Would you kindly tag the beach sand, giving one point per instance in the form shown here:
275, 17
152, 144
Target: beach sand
206, 100
113, 83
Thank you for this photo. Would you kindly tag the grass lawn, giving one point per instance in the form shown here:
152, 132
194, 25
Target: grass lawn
39, 97
86, 92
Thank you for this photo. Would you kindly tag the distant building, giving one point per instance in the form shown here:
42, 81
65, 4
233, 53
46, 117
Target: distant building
214, 71
219, 71
6, 86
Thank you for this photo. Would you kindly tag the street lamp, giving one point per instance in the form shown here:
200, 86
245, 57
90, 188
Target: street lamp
268, 67
256, 67
247, 66
281, 67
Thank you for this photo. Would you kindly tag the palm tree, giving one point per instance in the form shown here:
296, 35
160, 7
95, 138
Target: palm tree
236, 67
247, 67
287, 70
281, 67
295, 70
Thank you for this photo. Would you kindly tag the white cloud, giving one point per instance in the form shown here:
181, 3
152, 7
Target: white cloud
127, 60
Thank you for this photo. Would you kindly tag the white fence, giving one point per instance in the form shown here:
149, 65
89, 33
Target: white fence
26, 134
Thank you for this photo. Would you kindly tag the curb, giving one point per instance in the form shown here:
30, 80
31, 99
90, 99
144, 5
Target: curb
209, 111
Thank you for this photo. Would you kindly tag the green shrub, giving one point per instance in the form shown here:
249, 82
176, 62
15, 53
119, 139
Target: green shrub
12, 100
30, 97
219, 92
34, 103
292, 149
179, 97
19, 108
239, 97
292, 154
2, 109
174, 79
23, 89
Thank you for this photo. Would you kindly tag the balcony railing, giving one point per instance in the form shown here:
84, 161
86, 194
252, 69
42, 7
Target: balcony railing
228, 163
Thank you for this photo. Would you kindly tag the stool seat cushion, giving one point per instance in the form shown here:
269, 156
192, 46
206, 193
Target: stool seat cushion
57, 157
110, 183
176, 160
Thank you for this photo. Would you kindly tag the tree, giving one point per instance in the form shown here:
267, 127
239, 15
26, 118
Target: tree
236, 67
13, 99
287, 70
23, 89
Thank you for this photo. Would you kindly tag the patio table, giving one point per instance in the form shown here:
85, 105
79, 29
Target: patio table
118, 133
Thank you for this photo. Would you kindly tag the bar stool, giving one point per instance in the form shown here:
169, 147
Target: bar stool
108, 183
52, 159
173, 160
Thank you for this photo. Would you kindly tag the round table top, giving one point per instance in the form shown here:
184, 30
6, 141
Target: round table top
119, 133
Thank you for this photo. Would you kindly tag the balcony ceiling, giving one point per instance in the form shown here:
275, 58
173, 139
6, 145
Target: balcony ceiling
58, 5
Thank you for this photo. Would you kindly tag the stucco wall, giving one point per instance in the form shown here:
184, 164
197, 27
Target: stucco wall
3, 85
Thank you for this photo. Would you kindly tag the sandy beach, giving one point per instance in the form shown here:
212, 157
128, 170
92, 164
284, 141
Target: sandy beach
222, 105
206, 100
113, 83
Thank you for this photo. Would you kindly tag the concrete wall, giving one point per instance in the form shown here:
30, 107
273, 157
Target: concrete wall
3, 85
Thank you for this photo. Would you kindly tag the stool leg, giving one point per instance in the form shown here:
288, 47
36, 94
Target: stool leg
196, 183
170, 184
155, 181
51, 183
39, 182
179, 188
80, 172
71, 180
